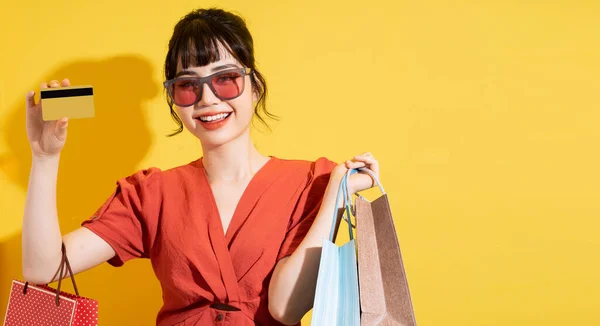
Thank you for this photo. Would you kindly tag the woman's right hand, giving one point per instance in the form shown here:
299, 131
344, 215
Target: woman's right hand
46, 138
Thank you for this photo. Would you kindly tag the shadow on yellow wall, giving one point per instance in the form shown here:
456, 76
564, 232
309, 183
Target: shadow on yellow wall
97, 152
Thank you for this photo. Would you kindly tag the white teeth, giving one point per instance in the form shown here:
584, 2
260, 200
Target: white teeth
214, 117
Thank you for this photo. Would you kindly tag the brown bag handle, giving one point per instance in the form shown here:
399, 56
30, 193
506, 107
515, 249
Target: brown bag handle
61, 272
65, 261
376, 182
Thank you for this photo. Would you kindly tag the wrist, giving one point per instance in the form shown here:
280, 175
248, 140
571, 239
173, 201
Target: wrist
337, 174
336, 178
37, 159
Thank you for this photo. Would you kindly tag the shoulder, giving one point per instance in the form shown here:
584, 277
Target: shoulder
306, 169
320, 164
154, 176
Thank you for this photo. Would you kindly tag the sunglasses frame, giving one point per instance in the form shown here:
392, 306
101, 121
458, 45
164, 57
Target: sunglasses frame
207, 80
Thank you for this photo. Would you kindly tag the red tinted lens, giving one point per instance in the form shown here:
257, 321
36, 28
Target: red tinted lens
228, 85
185, 91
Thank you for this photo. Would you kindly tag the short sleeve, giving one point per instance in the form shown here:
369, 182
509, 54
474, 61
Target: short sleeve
308, 205
128, 219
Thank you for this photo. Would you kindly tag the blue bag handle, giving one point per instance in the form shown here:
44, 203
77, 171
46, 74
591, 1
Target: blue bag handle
344, 192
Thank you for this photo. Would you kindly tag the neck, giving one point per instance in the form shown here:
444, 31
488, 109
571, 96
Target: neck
237, 160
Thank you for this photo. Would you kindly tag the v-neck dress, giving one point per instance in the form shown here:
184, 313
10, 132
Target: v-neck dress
171, 217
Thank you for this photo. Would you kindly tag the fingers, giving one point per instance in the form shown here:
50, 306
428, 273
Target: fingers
369, 161
363, 181
60, 129
30, 99
55, 83
30, 96
351, 164
364, 160
367, 158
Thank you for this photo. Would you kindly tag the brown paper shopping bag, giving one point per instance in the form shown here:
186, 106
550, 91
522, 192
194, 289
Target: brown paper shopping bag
384, 294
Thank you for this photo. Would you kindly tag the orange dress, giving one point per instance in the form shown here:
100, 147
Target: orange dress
171, 218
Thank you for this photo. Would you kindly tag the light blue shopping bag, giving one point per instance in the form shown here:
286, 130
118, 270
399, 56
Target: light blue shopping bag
336, 297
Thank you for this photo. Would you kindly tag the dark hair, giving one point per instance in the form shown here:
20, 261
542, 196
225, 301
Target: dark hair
195, 41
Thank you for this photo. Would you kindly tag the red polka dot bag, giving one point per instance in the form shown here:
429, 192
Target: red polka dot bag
41, 305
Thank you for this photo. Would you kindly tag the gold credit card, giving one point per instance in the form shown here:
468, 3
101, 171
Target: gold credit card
73, 102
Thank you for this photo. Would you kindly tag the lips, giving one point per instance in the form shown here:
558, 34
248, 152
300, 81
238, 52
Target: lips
213, 120
208, 116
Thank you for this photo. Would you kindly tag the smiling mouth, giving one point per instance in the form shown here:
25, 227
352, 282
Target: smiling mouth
214, 118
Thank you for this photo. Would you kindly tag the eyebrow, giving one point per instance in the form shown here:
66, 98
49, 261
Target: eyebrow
214, 69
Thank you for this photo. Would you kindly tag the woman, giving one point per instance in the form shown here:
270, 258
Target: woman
234, 236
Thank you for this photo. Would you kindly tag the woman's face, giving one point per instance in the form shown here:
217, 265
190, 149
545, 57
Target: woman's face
214, 119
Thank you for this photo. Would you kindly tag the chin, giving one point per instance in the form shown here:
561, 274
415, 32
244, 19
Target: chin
217, 135
214, 140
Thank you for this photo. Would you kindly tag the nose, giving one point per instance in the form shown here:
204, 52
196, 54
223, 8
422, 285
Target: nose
208, 97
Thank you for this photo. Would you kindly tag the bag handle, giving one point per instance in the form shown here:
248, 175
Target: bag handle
66, 262
375, 180
61, 274
343, 193
373, 175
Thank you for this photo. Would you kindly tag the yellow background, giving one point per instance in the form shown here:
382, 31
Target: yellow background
484, 115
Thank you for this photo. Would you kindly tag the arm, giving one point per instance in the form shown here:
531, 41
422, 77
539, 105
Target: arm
41, 238
300, 270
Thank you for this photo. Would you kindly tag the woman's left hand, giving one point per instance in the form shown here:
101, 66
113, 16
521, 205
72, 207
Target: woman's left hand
362, 181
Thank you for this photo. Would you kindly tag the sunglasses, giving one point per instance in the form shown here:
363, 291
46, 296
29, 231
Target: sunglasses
226, 85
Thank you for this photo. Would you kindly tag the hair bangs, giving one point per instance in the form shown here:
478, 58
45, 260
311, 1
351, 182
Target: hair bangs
196, 45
